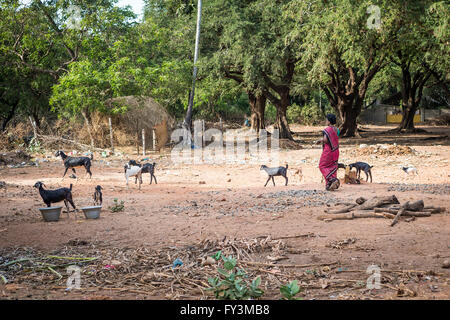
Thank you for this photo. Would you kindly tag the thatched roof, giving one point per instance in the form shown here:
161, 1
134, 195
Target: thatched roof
144, 110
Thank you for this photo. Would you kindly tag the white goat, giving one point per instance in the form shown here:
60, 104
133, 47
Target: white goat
133, 171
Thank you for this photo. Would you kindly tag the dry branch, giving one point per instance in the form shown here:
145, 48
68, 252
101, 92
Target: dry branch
406, 213
355, 215
399, 213
346, 209
46, 138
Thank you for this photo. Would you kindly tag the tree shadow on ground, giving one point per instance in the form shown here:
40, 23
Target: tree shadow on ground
434, 135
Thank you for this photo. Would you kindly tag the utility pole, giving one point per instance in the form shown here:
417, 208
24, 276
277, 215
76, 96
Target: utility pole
188, 119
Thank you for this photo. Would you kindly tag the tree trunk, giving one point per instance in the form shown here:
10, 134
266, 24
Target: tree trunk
348, 111
282, 123
88, 126
412, 90
408, 112
9, 116
36, 119
281, 105
257, 107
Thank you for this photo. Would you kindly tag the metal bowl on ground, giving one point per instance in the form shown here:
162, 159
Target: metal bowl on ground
92, 212
50, 213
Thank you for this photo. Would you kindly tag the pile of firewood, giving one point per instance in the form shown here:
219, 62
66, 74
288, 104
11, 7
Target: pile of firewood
381, 207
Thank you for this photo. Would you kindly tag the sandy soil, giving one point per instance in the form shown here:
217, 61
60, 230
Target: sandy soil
232, 202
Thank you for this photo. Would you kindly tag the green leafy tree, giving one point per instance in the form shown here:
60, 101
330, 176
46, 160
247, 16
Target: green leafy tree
420, 53
342, 52
247, 45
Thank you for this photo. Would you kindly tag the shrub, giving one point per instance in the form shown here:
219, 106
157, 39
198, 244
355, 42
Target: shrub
231, 284
294, 113
290, 290
117, 207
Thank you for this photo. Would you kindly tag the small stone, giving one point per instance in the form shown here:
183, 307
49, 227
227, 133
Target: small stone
446, 264
208, 261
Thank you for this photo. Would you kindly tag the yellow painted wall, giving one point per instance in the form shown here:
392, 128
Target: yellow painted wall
397, 118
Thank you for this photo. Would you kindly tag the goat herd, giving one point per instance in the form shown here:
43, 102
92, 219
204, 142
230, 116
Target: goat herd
132, 169
135, 169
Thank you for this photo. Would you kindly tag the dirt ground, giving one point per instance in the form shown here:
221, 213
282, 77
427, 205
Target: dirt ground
192, 204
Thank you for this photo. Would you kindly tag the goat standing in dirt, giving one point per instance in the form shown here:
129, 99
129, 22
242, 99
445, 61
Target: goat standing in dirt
133, 171
73, 162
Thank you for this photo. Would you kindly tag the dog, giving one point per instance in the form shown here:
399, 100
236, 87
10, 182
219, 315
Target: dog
362, 166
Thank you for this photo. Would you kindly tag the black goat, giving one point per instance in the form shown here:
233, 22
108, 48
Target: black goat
146, 168
54, 196
273, 172
73, 162
98, 196
362, 166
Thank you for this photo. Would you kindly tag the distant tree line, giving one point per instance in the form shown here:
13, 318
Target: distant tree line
68, 58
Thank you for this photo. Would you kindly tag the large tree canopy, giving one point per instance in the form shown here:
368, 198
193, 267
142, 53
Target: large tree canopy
343, 50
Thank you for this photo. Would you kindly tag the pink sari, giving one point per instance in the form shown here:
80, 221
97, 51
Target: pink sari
328, 163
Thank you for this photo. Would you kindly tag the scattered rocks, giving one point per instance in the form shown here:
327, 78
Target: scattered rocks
426, 188
310, 198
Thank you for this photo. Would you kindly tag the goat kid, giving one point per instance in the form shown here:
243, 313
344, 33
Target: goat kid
74, 162
133, 171
98, 196
274, 172
57, 195
297, 174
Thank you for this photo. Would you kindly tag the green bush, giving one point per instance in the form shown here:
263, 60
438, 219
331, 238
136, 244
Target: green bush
117, 207
271, 113
290, 290
311, 114
294, 113
233, 285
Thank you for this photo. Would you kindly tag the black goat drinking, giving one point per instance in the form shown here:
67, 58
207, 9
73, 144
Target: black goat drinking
73, 162
273, 172
146, 168
98, 196
57, 195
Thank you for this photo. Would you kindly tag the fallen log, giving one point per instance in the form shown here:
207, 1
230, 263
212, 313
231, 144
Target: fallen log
343, 210
415, 206
355, 215
399, 213
432, 209
405, 213
365, 214
363, 204
376, 202
337, 216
